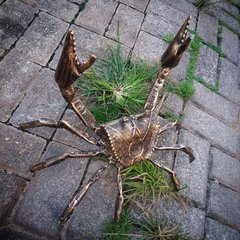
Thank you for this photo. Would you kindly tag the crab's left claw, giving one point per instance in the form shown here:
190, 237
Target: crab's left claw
179, 45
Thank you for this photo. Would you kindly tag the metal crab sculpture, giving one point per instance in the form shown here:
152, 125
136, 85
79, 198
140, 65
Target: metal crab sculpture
126, 141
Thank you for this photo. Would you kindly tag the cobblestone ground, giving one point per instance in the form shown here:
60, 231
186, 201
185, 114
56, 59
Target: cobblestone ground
31, 38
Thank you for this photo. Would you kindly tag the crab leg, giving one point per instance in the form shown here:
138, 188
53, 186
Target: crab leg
59, 124
77, 197
120, 198
175, 180
169, 126
183, 148
56, 160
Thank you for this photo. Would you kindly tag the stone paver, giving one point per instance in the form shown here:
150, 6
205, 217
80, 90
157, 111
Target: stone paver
14, 19
129, 25
211, 101
218, 231
222, 164
228, 81
15, 77
195, 174
207, 28
96, 15
43, 100
49, 192
139, 5
226, 209
57, 9
41, 38
207, 64
173, 104
9, 234
19, 150
148, 48
210, 127
10, 189
230, 44
2, 51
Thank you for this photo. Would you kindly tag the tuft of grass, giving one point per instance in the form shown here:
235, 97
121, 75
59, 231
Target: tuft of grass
151, 229
172, 117
214, 88
118, 230
201, 4
145, 180
116, 87
169, 37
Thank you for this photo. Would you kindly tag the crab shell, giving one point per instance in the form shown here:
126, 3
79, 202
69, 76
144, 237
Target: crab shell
131, 139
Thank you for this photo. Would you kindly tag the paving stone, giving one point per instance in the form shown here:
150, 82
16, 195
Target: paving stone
43, 100
228, 6
49, 192
230, 44
211, 101
210, 127
15, 77
129, 21
188, 219
224, 205
15, 17
41, 38
159, 27
195, 174
148, 48
207, 64
228, 81
91, 43
173, 104
183, 6
178, 73
166, 12
207, 28
70, 139
225, 169
10, 189
9, 234
218, 231
139, 5
97, 207
57, 9
103, 9
2, 51
19, 150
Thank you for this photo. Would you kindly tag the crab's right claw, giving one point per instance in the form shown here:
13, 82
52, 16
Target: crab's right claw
179, 45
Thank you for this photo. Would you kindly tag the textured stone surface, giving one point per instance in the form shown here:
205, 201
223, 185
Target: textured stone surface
218, 231
224, 204
228, 81
41, 38
14, 19
207, 65
139, 5
173, 104
96, 15
170, 14
230, 45
129, 21
10, 188
225, 169
56, 8
210, 127
2, 51
195, 174
9, 234
148, 48
15, 77
70, 139
208, 28
49, 192
43, 100
97, 207
211, 101
159, 27
19, 150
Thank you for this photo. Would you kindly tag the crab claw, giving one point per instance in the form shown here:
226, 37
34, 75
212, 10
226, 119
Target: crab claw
69, 67
179, 45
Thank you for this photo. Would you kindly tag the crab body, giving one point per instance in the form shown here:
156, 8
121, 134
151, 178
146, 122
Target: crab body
126, 141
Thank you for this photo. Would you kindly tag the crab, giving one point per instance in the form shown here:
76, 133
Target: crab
126, 141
